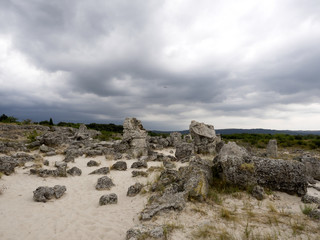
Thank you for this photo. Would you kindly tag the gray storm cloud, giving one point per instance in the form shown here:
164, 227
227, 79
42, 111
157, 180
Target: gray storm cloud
231, 63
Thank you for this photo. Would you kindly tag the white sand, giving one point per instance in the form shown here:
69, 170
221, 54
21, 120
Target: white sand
77, 214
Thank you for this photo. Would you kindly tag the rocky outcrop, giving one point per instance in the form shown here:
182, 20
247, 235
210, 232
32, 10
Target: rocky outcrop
146, 232
312, 166
104, 183
111, 198
44, 193
102, 171
281, 175
184, 151
238, 167
272, 149
135, 136
134, 189
167, 201
175, 138
120, 166
204, 137
7, 165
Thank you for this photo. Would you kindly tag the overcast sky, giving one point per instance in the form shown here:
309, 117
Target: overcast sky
229, 63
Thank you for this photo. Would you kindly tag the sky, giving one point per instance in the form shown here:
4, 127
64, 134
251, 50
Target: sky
228, 63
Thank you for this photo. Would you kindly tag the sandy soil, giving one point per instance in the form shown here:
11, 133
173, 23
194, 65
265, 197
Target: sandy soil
75, 216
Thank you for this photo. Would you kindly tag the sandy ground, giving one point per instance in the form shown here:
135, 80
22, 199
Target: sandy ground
75, 216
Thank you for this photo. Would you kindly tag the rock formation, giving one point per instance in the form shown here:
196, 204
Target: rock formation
272, 149
43, 194
204, 137
135, 136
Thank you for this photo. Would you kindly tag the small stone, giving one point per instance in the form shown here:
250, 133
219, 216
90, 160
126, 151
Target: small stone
92, 163
111, 198
139, 164
75, 171
258, 192
120, 165
139, 173
104, 183
134, 189
103, 170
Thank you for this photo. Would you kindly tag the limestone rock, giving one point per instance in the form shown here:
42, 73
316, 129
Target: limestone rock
139, 173
312, 166
103, 171
75, 171
104, 183
139, 164
134, 189
135, 136
111, 198
272, 149
7, 165
120, 166
44, 193
93, 163
310, 199
175, 138
258, 192
143, 231
204, 137
184, 151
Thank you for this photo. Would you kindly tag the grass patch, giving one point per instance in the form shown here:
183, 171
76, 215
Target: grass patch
32, 136
201, 212
297, 228
214, 196
226, 214
306, 209
272, 208
247, 167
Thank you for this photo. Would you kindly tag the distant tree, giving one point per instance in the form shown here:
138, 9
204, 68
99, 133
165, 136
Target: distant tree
3, 117
27, 121
46, 122
51, 122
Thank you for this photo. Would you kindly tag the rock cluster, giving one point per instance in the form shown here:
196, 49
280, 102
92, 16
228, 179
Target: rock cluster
44, 193
111, 198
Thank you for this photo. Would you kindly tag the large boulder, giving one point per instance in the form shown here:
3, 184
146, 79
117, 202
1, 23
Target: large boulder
184, 151
175, 138
312, 166
236, 166
281, 175
135, 136
204, 137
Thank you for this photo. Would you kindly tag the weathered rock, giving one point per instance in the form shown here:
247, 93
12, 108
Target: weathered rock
175, 138
165, 202
111, 198
235, 165
75, 171
312, 166
46, 162
168, 164
315, 214
104, 183
139, 173
310, 199
134, 189
281, 175
45, 149
53, 153
258, 192
7, 165
204, 137
135, 136
69, 158
139, 164
43, 194
272, 149
184, 152
93, 163
103, 171
59, 190
146, 232
120, 166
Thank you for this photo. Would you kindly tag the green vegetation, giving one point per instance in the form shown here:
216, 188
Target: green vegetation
154, 134
7, 119
284, 140
32, 136
106, 136
106, 127
306, 209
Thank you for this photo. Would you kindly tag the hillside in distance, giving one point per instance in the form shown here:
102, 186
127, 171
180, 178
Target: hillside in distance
252, 131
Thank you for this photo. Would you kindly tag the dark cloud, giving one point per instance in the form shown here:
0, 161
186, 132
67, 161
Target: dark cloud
164, 62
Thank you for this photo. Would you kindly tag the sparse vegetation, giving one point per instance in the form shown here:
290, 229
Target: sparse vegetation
32, 136
306, 209
247, 167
